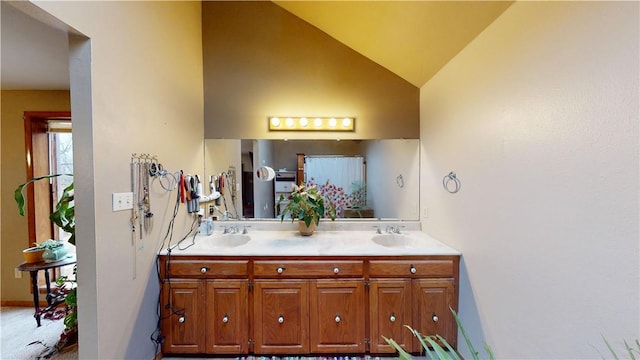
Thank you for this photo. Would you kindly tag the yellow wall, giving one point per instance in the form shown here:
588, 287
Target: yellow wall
261, 60
14, 233
145, 96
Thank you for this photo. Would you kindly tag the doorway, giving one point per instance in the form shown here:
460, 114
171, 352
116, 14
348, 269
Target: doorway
49, 148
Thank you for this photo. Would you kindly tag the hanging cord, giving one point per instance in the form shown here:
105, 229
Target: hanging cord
232, 188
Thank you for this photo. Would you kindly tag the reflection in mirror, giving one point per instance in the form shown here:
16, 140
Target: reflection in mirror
376, 194
265, 173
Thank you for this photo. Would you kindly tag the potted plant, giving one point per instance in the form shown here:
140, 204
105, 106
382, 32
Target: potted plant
307, 205
63, 216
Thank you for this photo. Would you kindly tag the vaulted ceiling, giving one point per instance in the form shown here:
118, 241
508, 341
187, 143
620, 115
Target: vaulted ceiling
412, 39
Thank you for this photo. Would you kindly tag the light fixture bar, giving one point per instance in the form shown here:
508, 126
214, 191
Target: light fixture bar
292, 123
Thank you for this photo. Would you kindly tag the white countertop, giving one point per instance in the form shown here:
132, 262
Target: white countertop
329, 239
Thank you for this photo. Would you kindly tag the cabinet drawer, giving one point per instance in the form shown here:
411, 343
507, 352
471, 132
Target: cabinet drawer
408, 268
284, 186
207, 268
307, 269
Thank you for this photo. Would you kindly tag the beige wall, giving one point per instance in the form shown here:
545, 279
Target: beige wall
538, 117
14, 231
261, 61
145, 91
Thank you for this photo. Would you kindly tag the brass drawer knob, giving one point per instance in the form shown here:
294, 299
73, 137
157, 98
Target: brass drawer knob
203, 269
336, 270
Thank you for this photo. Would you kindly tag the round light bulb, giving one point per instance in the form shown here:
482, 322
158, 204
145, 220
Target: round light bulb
346, 122
275, 122
317, 122
332, 122
304, 122
289, 122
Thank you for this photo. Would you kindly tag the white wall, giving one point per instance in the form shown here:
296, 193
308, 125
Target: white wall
392, 169
141, 92
539, 118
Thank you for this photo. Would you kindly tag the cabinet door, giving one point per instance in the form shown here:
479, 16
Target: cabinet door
431, 314
227, 316
389, 312
181, 325
281, 314
337, 316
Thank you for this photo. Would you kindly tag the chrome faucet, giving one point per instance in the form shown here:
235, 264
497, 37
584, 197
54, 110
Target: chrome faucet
392, 229
230, 229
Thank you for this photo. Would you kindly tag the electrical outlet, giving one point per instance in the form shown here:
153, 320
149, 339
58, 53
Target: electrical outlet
17, 273
122, 201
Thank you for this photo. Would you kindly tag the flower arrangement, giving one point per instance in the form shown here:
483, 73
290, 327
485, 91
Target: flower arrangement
306, 203
339, 199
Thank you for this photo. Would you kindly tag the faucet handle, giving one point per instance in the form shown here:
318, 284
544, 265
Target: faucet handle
244, 229
378, 230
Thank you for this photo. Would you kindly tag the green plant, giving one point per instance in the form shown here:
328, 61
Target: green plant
305, 203
63, 215
48, 244
433, 349
630, 350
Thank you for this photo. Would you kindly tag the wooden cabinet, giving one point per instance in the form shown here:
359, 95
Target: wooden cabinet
227, 316
330, 316
305, 305
431, 313
281, 313
422, 291
182, 322
390, 311
337, 316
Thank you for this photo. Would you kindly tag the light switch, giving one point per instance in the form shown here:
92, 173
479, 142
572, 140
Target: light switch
122, 201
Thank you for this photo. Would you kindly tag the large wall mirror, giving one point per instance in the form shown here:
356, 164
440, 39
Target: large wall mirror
372, 178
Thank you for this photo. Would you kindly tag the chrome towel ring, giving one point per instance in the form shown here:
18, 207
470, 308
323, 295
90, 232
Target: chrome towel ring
451, 183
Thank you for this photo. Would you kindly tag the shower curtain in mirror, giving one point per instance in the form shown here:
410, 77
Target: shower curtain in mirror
340, 171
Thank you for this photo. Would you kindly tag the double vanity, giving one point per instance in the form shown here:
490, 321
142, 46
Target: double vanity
258, 287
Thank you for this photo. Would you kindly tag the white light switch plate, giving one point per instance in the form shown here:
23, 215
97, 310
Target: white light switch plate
122, 201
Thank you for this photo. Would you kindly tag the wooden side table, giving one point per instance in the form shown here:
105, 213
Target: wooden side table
33, 269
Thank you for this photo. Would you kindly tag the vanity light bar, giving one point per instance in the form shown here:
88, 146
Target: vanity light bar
290, 123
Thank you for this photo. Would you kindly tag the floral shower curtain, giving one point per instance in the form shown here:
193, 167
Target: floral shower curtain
341, 172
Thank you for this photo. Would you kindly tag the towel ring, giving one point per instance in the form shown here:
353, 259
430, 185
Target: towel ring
451, 183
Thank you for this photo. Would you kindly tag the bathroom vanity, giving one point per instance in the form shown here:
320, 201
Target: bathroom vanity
336, 292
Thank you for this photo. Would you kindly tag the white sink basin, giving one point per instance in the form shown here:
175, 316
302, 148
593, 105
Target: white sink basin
224, 240
394, 240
